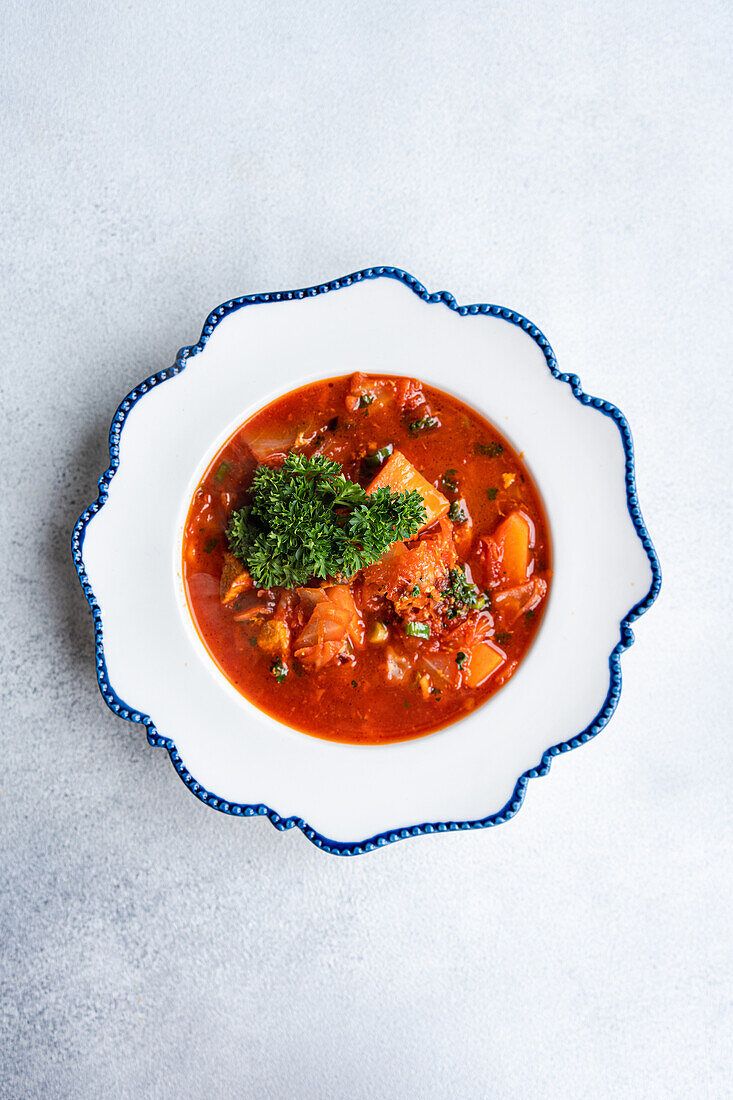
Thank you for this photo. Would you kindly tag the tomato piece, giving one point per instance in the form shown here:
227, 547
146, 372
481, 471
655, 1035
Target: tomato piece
486, 562
333, 622
409, 574
510, 603
401, 476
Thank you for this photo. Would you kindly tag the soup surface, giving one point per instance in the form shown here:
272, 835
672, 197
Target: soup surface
367, 559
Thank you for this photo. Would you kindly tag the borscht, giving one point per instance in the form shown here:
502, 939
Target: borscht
367, 559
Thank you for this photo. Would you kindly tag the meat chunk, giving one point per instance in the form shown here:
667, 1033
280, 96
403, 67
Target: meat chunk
235, 579
274, 637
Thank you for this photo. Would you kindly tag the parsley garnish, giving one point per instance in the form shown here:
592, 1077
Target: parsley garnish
307, 520
210, 545
365, 400
416, 590
461, 595
456, 513
491, 493
491, 450
503, 638
448, 481
460, 659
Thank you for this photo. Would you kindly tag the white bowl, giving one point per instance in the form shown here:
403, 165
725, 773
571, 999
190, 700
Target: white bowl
152, 667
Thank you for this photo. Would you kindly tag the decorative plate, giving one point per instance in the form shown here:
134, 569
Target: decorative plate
152, 667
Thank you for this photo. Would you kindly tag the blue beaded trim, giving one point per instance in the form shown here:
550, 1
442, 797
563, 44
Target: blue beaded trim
121, 708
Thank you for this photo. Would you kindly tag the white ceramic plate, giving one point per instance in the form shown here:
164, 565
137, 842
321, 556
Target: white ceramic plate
152, 667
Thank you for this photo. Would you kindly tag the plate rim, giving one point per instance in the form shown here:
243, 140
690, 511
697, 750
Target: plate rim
626, 639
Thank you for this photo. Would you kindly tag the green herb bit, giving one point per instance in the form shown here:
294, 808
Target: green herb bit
456, 513
406, 704
306, 520
253, 640
279, 670
380, 456
529, 615
448, 481
492, 493
354, 684
416, 590
436, 692
491, 450
210, 544
222, 471
365, 400
503, 638
424, 424
461, 659
417, 630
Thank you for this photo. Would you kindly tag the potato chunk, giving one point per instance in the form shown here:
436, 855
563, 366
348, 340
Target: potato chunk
482, 661
514, 536
400, 476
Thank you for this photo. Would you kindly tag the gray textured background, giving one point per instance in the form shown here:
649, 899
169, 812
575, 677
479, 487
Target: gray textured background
565, 159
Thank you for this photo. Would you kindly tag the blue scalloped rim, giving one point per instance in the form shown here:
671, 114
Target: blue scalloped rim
121, 708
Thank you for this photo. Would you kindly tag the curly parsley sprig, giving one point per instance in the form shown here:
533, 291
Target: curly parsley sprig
306, 520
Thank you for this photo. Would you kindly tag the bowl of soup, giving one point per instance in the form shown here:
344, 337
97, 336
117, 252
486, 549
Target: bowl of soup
365, 560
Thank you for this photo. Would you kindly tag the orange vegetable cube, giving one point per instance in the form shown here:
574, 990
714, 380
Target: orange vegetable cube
400, 476
514, 536
482, 661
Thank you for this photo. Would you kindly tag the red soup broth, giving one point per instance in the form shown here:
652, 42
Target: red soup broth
379, 688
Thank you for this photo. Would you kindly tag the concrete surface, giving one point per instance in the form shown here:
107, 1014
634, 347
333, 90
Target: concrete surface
566, 159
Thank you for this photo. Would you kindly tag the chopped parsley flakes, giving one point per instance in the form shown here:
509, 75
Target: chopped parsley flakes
279, 670
491, 450
424, 424
461, 595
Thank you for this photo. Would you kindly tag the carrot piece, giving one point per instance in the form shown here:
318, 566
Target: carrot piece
514, 537
400, 476
482, 661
